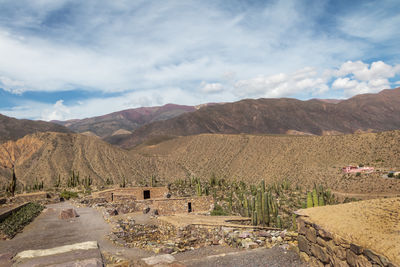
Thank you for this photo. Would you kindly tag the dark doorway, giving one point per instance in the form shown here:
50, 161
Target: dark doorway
146, 194
189, 207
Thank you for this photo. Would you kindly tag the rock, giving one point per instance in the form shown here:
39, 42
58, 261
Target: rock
68, 214
167, 250
112, 212
279, 239
304, 257
356, 249
244, 235
311, 234
249, 244
263, 234
319, 253
146, 210
154, 212
159, 259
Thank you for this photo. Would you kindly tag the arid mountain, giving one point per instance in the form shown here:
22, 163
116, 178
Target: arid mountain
123, 122
302, 160
44, 156
362, 113
13, 129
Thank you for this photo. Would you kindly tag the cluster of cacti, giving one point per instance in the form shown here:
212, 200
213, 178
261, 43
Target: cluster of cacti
73, 180
123, 184
260, 205
57, 182
153, 181
87, 182
198, 188
38, 185
320, 197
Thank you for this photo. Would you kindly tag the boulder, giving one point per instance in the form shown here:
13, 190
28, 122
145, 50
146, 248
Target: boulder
68, 214
112, 212
146, 210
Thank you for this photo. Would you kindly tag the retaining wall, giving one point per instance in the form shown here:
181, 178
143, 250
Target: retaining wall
322, 248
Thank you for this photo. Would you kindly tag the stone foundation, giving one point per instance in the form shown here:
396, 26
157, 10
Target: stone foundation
321, 248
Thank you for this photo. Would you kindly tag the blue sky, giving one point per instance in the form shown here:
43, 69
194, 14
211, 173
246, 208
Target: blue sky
73, 59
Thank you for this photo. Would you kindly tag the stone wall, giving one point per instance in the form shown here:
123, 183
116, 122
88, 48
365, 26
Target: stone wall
322, 248
180, 205
166, 206
133, 193
30, 197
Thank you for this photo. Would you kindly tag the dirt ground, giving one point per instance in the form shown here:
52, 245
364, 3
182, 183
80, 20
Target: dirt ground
48, 231
181, 220
374, 224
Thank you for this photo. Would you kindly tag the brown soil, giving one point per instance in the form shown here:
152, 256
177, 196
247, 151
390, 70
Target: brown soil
373, 224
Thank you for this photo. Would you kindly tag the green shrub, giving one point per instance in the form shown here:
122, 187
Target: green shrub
390, 175
68, 194
218, 211
19, 219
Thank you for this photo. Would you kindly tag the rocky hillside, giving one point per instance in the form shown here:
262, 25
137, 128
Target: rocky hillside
362, 113
303, 160
300, 159
44, 156
13, 129
125, 121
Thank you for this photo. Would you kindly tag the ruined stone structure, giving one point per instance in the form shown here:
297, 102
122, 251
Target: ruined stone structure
133, 193
139, 198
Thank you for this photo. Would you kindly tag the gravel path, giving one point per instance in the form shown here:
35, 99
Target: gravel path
273, 257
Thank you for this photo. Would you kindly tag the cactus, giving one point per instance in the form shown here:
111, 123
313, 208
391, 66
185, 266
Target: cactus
198, 188
245, 206
123, 184
266, 209
309, 200
278, 222
315, 197
321, 201
13, 184
230, 201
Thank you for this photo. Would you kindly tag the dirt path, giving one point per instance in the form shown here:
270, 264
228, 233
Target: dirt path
48, 231
274, 257
364, 196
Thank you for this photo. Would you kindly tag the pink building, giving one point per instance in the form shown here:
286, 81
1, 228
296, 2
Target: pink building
355, 169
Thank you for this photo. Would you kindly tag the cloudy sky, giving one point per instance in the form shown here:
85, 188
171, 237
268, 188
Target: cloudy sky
73, 59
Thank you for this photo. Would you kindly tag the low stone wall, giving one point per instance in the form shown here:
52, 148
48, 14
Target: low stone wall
167, 206
133, 193
30, 197
181, 205
321, 248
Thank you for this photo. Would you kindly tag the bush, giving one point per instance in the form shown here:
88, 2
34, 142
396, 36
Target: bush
390, 174
19, 219
358, 174
218, 211
68, 194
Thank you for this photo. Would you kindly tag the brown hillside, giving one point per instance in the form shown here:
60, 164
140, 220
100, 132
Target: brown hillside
125, 120
369, 112
13, 129
43, 156
301, 159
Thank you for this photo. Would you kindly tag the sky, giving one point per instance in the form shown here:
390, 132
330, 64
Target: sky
69, 59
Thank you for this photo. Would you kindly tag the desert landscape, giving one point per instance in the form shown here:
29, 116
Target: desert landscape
199, 133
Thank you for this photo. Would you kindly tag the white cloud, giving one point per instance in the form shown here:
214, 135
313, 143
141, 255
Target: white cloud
301, 81
57, 112
211, 87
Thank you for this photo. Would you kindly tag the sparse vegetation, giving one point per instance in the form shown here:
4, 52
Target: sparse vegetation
68, 194
19, 219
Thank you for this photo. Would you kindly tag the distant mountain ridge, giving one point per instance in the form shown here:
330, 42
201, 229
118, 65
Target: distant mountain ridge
361, 113
13, 129
125, 121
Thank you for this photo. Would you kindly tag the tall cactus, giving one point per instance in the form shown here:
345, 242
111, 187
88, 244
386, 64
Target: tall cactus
315, 197
309, 200
198, 188
266, 209
246, 206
